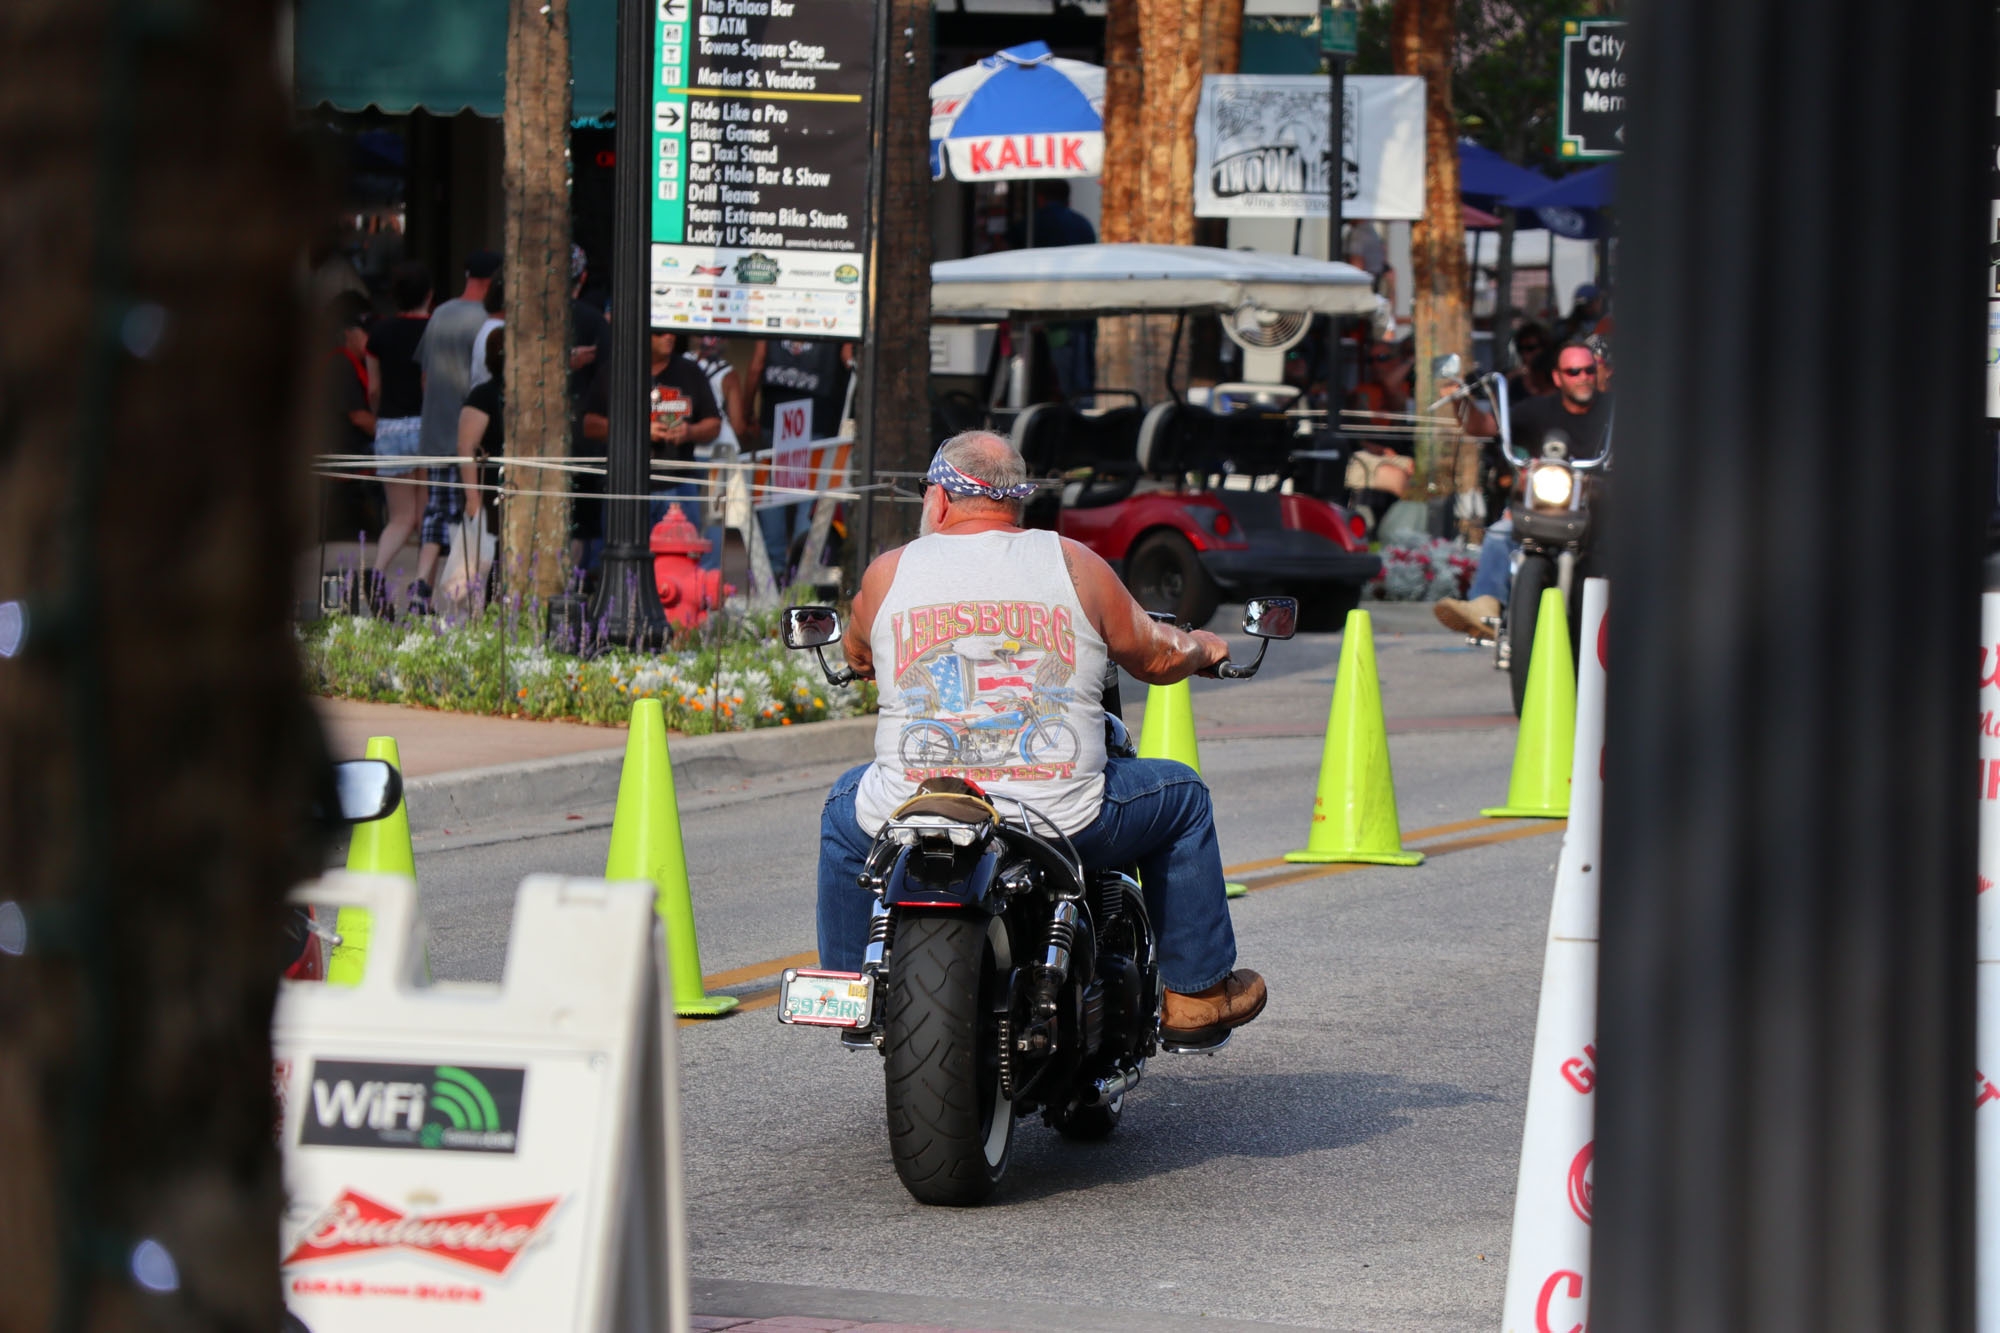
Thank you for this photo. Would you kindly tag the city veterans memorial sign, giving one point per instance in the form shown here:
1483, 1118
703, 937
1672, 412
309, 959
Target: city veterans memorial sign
761, 118
1593, 92
1261, 147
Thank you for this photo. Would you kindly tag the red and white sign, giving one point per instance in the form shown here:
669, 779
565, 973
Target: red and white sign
791, 445
1003, 157
1548, 1264
488, 1239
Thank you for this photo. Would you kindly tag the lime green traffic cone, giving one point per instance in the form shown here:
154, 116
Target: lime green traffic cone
378, 847
1354, 811
646, 844
1539, 788
1167, 732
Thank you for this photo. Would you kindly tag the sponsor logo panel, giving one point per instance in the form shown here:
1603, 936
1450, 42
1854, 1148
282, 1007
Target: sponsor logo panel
447, 1108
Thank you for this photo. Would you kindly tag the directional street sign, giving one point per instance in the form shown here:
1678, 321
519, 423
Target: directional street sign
1593, 91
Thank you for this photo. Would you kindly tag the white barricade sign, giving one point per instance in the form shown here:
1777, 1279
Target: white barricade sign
1986, 1042
791, 446
1548, 1263
482, 1157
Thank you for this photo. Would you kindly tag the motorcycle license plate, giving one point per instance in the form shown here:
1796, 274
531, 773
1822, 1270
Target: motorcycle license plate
825, 999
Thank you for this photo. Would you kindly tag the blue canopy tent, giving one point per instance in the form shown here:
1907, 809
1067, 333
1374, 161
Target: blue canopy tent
1485, 178
1575, 205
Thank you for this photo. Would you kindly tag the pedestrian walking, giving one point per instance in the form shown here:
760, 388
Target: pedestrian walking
396, 394
445, 354
496, 317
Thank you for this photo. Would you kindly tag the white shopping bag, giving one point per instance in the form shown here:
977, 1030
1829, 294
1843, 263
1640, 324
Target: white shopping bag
464, 576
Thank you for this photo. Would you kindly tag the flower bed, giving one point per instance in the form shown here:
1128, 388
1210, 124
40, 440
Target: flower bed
1424, 569
732, 675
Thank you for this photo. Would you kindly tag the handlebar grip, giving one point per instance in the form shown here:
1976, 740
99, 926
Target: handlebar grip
1231, 671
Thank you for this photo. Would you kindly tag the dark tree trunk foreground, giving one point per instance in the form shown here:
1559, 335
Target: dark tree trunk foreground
154, 740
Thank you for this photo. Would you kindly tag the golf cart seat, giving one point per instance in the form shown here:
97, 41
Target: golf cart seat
1054, 438
1179, 438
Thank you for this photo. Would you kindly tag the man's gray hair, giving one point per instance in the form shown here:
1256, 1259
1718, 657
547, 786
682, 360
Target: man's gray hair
989, 457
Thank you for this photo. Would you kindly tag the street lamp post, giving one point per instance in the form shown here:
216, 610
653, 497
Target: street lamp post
1337, 42
626, 604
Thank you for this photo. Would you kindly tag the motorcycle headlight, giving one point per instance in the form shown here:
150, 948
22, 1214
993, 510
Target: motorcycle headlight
1551, 485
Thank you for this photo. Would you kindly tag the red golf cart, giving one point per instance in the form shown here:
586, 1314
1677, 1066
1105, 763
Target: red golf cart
1191, 503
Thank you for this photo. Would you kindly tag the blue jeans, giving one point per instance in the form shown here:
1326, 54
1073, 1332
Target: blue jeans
1496, 559
1156, 814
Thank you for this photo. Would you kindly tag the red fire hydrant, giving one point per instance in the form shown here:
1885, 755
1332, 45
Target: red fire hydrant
687, 591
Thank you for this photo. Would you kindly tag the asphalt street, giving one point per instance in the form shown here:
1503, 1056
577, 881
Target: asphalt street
1346, 1163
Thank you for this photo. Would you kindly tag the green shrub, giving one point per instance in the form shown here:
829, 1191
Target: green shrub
731, 675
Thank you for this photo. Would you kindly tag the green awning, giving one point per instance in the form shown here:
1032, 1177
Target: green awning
445, 56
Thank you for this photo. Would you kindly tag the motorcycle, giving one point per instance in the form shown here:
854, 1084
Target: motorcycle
1553, 521
1003, 976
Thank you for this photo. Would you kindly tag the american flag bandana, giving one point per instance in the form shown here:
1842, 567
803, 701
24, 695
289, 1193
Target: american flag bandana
958, 483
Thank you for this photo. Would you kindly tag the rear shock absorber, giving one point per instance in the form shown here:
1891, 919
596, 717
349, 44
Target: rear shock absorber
877, 955
1055, 959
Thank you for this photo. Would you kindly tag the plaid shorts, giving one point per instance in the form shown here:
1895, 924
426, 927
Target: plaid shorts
444, 508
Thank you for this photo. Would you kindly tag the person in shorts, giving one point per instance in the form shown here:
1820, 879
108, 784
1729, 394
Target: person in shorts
396, 393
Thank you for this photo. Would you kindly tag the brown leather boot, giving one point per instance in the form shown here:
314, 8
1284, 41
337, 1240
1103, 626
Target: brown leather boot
1468, 618
1207, 1015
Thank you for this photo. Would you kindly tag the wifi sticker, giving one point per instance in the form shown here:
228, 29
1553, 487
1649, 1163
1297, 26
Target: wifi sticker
436, 1108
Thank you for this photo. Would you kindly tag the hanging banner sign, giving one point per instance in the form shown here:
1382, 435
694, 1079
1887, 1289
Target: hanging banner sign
1260, 147
761, 119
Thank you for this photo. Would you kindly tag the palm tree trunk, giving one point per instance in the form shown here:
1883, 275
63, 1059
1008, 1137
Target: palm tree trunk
535, 167
154, 737
1422, 33
1155, 56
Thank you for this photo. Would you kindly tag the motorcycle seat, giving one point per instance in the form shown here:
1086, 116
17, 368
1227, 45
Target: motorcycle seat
949, 798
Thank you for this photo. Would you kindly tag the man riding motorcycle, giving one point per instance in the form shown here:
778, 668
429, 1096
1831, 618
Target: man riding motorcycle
937, 614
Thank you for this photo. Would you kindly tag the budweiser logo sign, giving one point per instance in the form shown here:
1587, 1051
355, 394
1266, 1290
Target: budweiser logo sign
489, 1239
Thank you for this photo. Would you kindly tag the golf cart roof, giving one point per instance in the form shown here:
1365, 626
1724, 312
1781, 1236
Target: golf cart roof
1125, 278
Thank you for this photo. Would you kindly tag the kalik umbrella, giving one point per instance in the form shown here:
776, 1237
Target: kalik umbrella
1020, 114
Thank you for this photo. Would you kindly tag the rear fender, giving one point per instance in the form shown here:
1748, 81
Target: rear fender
973, 887
1308, 513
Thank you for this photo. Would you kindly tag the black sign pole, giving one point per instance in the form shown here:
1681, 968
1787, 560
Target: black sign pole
626, 604
1336, 180
871, 384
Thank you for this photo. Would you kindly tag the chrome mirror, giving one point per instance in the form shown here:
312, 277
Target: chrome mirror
368, 789
1271, 617
1447, 367
811, 626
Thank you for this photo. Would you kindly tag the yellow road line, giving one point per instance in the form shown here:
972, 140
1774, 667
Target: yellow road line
765, 998
736, 976
1413, 835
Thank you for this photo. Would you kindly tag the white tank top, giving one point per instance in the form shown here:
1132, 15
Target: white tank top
988, 670
718, 371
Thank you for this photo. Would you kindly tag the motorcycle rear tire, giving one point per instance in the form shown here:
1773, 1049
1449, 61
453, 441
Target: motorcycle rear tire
1536, 573
951, 1129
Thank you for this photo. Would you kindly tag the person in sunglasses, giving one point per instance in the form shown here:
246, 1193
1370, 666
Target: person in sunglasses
1578, 412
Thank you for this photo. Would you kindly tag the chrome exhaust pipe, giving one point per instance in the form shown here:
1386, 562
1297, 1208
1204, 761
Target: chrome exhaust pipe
1105, 1089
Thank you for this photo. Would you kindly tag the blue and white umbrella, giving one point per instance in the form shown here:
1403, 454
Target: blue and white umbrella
1020, 114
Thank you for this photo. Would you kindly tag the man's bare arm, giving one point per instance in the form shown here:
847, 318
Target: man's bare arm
1154, 653
861, 620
